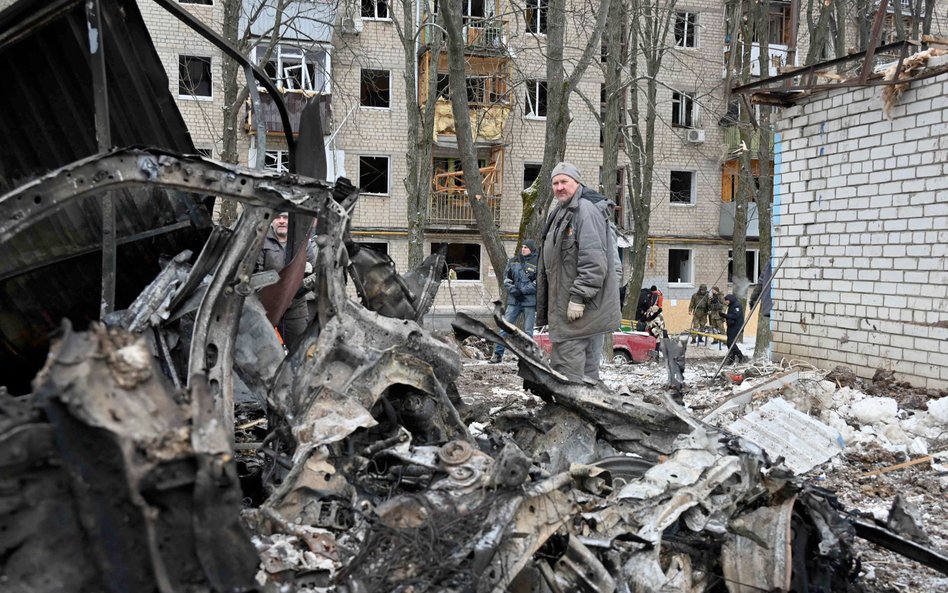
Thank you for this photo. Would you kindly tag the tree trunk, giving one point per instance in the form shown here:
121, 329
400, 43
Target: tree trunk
231, 109
473, 183
420, 125
651, 20
765, 192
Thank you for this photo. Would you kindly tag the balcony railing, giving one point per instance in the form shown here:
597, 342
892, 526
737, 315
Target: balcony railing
295, 102
480, 34
454, 209
484, 33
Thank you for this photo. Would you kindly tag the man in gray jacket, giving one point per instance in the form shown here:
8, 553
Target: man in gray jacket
577, 283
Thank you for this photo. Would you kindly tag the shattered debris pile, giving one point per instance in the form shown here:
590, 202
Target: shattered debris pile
354, 463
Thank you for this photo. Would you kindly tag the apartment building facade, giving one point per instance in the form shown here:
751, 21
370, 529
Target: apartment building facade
350, 56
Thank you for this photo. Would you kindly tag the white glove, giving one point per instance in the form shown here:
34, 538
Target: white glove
575, 311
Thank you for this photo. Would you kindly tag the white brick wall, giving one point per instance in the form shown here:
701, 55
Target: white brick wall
863, 225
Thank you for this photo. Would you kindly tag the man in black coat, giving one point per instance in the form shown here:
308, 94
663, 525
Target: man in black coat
734, 316
520, 280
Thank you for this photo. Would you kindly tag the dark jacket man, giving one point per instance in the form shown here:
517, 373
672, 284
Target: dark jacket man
273, 257
578, 293
520, 279
734, 316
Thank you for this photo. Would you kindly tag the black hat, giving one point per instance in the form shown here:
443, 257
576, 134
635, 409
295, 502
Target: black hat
531, 245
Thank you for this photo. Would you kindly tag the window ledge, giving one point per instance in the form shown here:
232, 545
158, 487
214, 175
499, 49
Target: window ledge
371, 195
680, 285
535, 117
682, 204
375, 19
195, 98
375, 108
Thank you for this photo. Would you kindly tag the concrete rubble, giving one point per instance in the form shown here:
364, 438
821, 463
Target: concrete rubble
175, 450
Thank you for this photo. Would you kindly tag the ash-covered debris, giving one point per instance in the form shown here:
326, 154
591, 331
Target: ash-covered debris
350, 463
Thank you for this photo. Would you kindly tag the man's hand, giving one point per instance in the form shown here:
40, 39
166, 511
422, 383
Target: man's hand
575, 311
309, 282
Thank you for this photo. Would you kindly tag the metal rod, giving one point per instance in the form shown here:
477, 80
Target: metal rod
873, 40
103, 137
793, 74
747, 318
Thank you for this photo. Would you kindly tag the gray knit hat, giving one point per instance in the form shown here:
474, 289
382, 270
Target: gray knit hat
564, 168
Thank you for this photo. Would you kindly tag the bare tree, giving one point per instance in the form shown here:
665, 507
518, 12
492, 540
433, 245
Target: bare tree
473, 182
421, 115
560, 86
650, 23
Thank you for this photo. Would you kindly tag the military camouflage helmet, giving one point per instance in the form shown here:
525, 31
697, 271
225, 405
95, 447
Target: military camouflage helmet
703, 288
715, 289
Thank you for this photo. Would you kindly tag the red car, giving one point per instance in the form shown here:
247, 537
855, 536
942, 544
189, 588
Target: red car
627, 347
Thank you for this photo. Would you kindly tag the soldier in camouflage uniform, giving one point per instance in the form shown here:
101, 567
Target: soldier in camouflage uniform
698, 307
716, 310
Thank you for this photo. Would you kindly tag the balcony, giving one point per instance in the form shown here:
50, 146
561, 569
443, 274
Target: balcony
295, 102
449, 204
454, 209
481, 34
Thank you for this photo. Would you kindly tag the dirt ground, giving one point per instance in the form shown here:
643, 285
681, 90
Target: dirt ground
490, 389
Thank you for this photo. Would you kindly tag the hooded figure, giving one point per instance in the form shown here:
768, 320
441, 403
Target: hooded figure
520, 280
734, 316
578, 293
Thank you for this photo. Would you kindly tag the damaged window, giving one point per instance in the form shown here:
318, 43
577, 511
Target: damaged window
373, 175
536, 98
679, 266
374, 89
530, 173
294, 69
682, 187
463, 260
751, 258
194, 76
683, 110
277, 160
686, 33
375, 9
535, 16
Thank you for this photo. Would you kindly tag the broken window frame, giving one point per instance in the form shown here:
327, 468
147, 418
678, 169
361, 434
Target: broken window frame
675, 198
536, 99
185, 75
689, 270
684, 110
458, 257
370, 10
365, 182
535, 14
277, 160
531, 171
293, 68
686, 30
368, 96
752, 257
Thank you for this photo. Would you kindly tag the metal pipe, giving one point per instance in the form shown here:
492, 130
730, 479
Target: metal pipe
103, 137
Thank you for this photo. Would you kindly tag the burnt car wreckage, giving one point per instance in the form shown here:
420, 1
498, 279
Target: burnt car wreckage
353, 468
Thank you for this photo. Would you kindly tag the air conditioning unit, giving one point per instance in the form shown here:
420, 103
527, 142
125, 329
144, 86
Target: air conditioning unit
696, 136
351, 25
